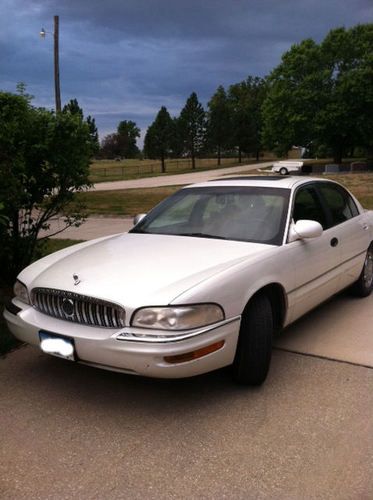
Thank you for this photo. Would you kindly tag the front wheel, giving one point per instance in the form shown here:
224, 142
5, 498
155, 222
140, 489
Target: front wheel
283, 171
254, 348
363, 286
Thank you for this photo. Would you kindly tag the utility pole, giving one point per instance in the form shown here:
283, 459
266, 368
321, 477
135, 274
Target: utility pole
57, 90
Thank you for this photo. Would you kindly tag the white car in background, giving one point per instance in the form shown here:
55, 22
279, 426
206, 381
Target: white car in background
202, 282
286, 167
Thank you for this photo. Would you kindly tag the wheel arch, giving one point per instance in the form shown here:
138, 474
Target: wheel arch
277, 296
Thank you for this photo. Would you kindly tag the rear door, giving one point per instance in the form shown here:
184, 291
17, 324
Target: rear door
349, 227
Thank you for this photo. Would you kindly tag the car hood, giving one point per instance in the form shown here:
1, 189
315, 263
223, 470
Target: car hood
139, 269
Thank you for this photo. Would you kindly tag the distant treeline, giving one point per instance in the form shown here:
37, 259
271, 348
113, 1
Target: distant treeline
319, 97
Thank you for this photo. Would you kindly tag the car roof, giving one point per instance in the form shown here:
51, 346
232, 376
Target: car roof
273, 181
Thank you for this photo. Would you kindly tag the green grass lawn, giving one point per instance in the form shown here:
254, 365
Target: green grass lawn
361, 185
127, 202
7, 341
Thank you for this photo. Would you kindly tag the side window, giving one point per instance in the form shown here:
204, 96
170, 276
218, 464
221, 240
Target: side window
342, 207
307, 206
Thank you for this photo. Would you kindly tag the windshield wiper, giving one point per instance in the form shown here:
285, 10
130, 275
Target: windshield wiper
203, 235
142, 231
195, 235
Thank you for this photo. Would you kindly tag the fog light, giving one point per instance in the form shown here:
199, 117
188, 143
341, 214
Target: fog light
199, 353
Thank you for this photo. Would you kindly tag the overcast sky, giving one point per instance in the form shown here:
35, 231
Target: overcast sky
124, 59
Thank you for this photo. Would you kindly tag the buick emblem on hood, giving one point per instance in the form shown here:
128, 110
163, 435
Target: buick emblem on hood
76, 279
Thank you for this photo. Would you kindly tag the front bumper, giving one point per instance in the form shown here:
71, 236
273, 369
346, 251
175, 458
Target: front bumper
109, 349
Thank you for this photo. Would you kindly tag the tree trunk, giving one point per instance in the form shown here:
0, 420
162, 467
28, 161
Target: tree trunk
219, 155
239, 155
257, 154
192, 154
163, 167
337, 155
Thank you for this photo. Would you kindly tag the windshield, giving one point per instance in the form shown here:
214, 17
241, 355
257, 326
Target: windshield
254, 214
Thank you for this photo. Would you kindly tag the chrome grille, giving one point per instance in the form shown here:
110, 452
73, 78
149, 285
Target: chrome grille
78, 308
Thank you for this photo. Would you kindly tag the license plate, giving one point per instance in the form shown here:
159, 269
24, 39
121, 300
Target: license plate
63, 347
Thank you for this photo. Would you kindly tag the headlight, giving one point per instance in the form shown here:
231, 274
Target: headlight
20, 291
178, 317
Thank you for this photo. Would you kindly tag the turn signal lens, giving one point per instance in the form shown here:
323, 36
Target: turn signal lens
199, 353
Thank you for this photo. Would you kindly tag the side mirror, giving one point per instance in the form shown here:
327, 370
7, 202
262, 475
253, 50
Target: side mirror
304, 229
138, 218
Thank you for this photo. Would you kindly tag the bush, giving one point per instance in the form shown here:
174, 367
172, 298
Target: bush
44, 161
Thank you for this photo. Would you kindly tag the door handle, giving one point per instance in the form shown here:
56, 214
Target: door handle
334, 242
365, 227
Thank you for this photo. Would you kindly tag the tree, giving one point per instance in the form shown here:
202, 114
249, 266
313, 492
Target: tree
73, 108
192, 122
246, 99
44, 161
114, 146
323, 94
177, 143
93, 133
158, 138
346, 120
121, 143
129, 133
219, 124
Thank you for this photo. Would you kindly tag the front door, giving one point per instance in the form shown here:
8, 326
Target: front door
316, 260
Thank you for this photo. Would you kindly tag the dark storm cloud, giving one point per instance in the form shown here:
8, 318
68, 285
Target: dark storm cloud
199, 19
125, 59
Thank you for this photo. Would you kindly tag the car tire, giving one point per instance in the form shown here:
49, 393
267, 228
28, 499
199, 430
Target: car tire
283, 171
364, 285
254, 348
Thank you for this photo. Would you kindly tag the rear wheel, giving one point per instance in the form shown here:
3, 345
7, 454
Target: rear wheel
283, 171
254, 348
363, 286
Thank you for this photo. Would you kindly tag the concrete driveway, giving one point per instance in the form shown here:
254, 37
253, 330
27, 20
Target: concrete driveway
69, 431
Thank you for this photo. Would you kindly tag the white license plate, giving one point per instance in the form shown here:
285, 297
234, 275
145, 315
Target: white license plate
62, 347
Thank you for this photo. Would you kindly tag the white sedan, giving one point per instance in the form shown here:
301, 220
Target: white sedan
202, 282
